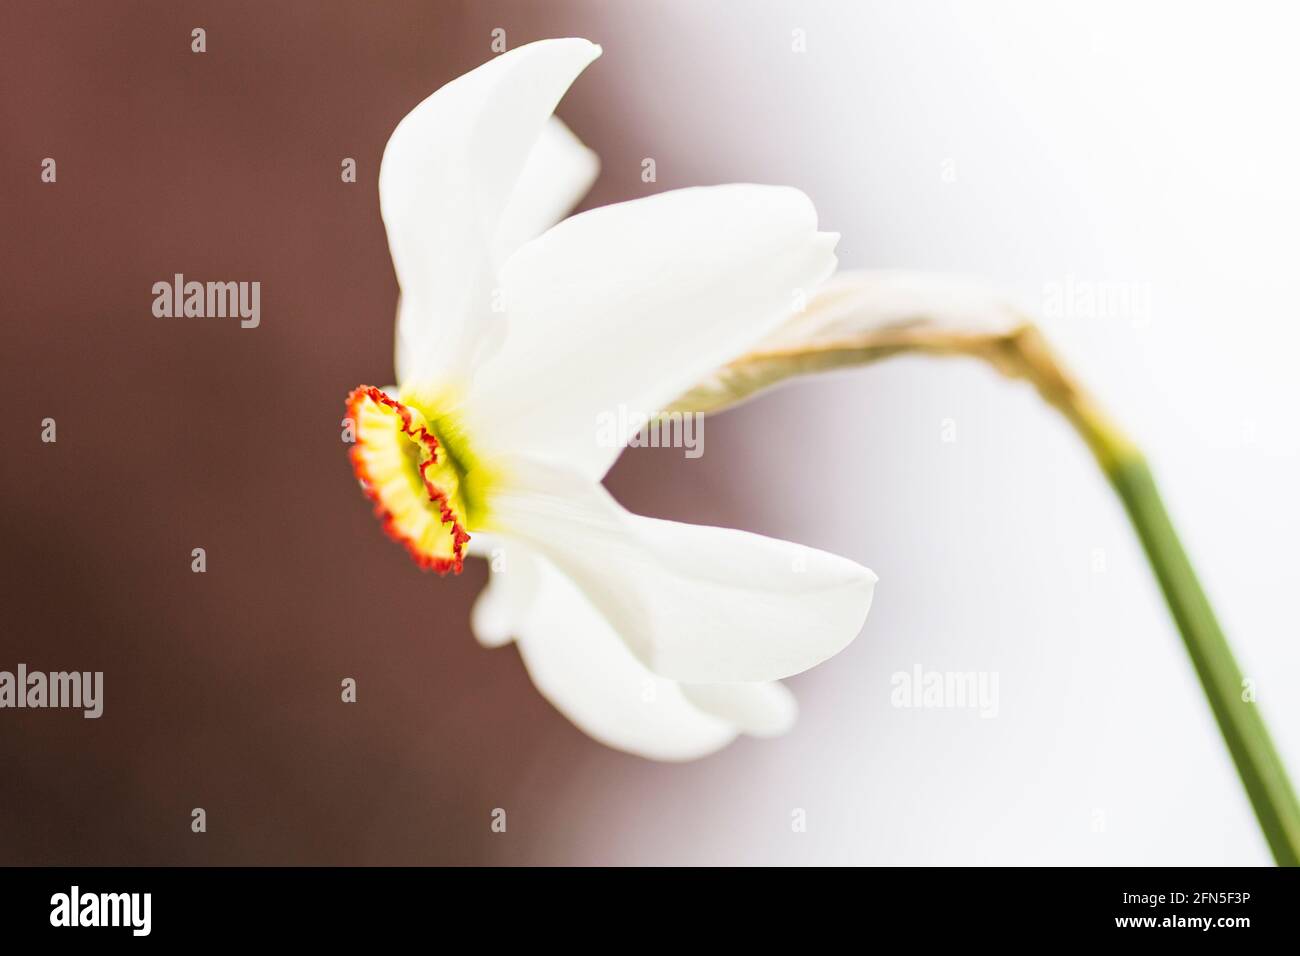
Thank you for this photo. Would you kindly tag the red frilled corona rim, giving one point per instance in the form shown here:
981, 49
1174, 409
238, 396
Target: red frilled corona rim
396, 458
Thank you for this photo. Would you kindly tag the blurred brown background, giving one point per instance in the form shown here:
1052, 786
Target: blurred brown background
222, 689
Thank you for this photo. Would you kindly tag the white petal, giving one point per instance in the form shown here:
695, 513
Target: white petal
558, 173
447, 175
629, 305
694, 603
503, 605
491, 619
763, 710
579, 664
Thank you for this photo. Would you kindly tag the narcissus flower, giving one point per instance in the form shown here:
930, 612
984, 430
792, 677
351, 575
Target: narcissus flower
514, 336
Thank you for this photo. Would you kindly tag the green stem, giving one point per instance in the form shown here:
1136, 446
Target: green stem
1025, 353
1239, 718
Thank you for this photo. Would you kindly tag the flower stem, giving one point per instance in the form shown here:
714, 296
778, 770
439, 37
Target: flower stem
1023, 353
1258, 763
1261, 768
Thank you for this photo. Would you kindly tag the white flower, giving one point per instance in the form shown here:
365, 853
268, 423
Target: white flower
659, 638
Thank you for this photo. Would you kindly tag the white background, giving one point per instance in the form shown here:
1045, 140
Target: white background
1151, 147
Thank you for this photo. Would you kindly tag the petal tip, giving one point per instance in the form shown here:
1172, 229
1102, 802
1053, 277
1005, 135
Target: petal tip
591, 50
